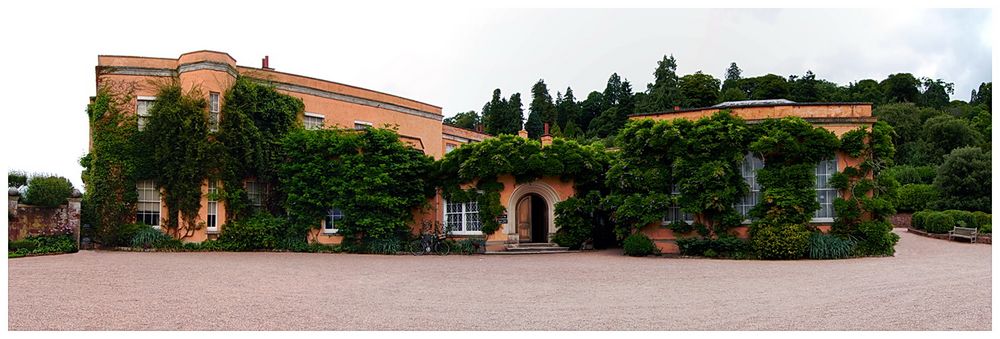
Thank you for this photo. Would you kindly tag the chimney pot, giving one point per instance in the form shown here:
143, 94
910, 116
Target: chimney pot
264, 63
546, 126
677, 108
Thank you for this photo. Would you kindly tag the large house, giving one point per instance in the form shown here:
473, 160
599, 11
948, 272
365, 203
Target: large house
530, 206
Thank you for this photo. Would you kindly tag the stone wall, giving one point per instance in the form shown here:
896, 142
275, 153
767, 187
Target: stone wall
27, 220
902, 220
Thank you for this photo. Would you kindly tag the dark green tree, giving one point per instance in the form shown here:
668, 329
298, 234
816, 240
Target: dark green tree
469, 120
733, 75
804, 89
936, 93
866, 90
900, 87
984, 96
541, 110
964, 180
590, 108
699, 90
502, 116
945, 133
767, 87
568, 110
664, 92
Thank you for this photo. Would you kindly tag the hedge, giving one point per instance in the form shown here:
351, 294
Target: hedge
915, 197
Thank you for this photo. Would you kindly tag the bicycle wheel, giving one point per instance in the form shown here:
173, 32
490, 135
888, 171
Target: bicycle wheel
417, 247
442, 248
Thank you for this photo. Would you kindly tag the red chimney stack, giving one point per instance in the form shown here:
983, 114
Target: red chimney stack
264, 63
546, 128
677, 108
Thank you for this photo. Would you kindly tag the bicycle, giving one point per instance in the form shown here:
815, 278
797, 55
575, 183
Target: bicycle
430, 242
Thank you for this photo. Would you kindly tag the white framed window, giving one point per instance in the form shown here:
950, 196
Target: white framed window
674, 212
462, 218
142, 106
148, 204
312, 121
824, 193
358, 124
748, 169
213, 111
212, 218
449, 147
333, 217
256, 192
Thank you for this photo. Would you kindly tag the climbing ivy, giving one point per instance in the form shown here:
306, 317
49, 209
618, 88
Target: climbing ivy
175, 143
790, 148
376, 180
864, 210
255, 118
109, 168
471, 172
702, 158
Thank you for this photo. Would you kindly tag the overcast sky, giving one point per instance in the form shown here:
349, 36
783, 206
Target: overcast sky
455, 58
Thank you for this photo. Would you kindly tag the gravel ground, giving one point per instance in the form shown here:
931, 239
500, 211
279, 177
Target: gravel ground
929, 285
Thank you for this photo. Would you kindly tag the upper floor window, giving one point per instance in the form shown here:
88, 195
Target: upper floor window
213, 111
449, 147
674, 212
462, 218
148, 203
142, 107
748, 169
362, 124
824, 193
312, 121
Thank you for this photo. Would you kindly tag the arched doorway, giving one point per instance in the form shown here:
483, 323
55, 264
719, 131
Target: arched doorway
532, 219
545, 222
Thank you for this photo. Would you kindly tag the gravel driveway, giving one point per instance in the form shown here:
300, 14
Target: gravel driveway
929, 285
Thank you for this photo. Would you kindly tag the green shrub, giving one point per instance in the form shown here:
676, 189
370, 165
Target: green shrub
877, 239
17, 179
13, 246
192, 246
983, 221
639, 245
964, 180
573, 222
726, 246
48, 191
259, 232
387, 246
149, 237
40, 244
986, 229
918, 175
919, 219
121, 235
915, 197
828, 246
473, 246
783, 241
939, 222
210, 245
962, 218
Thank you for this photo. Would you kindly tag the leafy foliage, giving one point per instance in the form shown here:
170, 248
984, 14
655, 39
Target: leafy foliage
258, 232
41, 244
467, 120
176, 142
779, 241
47, 191
964, 180
828, 246
915, 197
255, 118
724, 246
148, 237
906, 174
17, 179
503, 116
371, 176
639, 245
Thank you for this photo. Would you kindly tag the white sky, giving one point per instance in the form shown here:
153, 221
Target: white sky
454, 58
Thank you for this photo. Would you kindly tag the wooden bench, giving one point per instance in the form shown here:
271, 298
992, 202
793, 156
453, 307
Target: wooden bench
964, 232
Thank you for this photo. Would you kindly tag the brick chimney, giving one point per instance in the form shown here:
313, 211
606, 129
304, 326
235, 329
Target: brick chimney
677, 108
546, 137
264, 64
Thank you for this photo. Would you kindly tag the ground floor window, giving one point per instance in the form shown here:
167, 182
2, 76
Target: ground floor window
825, 194
148, 204
462, 218
748, 169
212, 220
674, 212
255, 193
333, 218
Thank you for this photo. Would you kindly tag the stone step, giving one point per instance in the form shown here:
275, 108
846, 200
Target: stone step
533, 245
536, 249
527, 252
